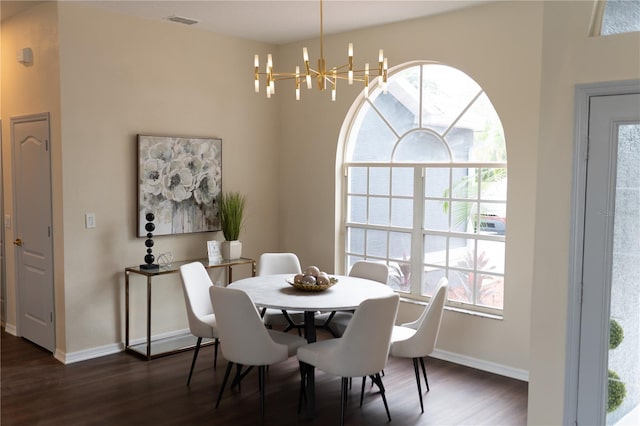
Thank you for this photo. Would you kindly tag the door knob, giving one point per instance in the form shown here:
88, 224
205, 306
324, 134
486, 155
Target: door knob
18, 242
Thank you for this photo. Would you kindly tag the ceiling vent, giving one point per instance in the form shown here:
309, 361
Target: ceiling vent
182, 20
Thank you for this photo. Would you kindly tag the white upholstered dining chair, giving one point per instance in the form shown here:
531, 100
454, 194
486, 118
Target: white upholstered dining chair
281, 263
417, 339
361, 351
336, 322
202, 320
245, 340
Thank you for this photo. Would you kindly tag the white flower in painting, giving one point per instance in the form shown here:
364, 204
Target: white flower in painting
178, 181
152, 176
157, 148
208, 186
195, 164
210, 156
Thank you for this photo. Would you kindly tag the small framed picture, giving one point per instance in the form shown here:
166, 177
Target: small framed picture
213, 250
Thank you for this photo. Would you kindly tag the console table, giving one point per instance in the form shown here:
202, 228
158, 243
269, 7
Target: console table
160, 347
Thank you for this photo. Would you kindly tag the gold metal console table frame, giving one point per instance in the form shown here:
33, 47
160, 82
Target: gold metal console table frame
178, 343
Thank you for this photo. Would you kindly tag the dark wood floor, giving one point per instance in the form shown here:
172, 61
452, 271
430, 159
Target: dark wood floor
123, 390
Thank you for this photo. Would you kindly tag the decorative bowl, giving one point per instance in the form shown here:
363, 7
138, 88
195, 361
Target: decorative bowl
311, 287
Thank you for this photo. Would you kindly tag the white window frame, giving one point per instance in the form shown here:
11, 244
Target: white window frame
417, 232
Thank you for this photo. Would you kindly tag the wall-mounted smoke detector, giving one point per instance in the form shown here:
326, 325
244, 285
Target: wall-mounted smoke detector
182, 20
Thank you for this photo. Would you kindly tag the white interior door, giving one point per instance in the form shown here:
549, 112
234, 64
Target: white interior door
34, 248
611, 266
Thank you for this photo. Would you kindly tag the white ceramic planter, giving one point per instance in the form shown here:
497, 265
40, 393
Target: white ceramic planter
231, 249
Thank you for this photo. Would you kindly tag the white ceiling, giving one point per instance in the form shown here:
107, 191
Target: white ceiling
281, 22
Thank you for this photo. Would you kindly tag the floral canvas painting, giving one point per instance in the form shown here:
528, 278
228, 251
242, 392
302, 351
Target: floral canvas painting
179, 179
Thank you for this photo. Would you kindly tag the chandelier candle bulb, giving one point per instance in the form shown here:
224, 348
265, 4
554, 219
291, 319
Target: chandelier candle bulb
256, 64
297, 83
366, 80
335, 86
350, 54
384, 76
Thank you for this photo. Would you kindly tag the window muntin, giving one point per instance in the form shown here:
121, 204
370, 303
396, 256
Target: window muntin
426, 186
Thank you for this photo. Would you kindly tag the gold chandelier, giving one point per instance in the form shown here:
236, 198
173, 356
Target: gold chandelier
325, 79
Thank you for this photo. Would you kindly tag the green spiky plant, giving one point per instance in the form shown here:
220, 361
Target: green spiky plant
231, 207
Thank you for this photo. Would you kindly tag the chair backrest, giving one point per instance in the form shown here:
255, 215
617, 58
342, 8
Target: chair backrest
195, 286
278, 263
427, 326
364, 346
370, 270
245, 340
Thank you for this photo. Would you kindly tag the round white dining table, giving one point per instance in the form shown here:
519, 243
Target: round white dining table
273, 291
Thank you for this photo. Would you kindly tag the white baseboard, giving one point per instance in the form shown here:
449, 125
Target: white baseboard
480, 364
11, 329
114, 348
86, 354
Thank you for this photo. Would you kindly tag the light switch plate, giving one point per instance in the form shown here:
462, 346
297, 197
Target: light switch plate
7, 221
90, 220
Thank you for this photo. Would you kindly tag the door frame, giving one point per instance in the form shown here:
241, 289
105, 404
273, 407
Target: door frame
3, 243
583, 95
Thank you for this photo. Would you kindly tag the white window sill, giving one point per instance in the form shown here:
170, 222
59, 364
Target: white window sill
455, 309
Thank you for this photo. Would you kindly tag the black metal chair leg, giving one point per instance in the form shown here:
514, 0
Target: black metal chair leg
364, 380
237, 378
216, 343
378, 381
261, 385
224, 382
343, 398
424, 372
303, 386
417, 373
193, 362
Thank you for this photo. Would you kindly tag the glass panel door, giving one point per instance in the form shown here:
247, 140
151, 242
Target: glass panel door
624, 337
609, 358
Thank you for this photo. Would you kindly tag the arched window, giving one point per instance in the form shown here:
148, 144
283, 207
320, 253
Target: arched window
617, 17
426, 186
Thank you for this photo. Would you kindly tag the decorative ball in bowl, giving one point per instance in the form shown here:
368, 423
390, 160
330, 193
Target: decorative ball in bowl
312, 279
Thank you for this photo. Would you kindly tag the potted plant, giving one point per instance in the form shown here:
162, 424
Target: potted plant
231, 210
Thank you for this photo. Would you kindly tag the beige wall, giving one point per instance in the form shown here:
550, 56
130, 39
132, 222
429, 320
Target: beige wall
121, 76
570, 57
118, 77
